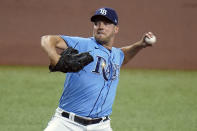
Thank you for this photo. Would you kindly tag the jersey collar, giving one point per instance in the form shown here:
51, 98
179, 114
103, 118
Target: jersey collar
99, 46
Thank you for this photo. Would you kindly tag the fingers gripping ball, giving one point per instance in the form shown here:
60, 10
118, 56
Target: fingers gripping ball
150, 38
71, 61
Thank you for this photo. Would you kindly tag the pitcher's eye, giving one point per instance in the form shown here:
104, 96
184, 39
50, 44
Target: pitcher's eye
95, 23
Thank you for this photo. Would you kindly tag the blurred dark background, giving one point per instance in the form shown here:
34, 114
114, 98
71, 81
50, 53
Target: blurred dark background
23, 22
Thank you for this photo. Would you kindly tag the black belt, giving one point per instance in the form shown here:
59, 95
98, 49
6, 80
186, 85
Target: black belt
84, 121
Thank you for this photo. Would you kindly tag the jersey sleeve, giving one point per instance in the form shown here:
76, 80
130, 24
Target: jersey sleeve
78, 43
121, 56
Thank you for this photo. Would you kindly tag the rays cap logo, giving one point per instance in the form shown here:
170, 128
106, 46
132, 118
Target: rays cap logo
108, 13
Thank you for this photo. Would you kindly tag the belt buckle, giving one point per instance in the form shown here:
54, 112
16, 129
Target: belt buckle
72, 116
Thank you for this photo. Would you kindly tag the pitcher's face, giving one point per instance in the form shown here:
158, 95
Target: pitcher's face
104, 30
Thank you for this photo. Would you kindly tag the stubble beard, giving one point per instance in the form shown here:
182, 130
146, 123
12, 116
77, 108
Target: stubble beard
102, 41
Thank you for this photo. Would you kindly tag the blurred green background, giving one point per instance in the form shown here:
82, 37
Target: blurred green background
147, 100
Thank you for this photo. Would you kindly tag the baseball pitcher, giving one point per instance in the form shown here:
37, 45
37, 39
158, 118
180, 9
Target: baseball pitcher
92, 66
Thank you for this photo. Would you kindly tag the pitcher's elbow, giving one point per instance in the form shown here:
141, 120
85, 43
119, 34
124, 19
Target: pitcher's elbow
44, 41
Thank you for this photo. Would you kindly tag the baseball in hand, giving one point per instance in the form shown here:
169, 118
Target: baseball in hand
150, 38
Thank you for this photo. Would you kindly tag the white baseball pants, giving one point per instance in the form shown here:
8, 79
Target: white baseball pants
60, 123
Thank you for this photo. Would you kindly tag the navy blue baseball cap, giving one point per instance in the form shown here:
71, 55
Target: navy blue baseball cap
108, 13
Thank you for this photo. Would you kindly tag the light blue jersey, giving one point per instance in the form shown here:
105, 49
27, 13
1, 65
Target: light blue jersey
91, 91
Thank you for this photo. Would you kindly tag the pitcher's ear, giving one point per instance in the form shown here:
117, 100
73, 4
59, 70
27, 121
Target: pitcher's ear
116, 29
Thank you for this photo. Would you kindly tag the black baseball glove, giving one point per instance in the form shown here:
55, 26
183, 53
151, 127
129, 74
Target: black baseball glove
71, 61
